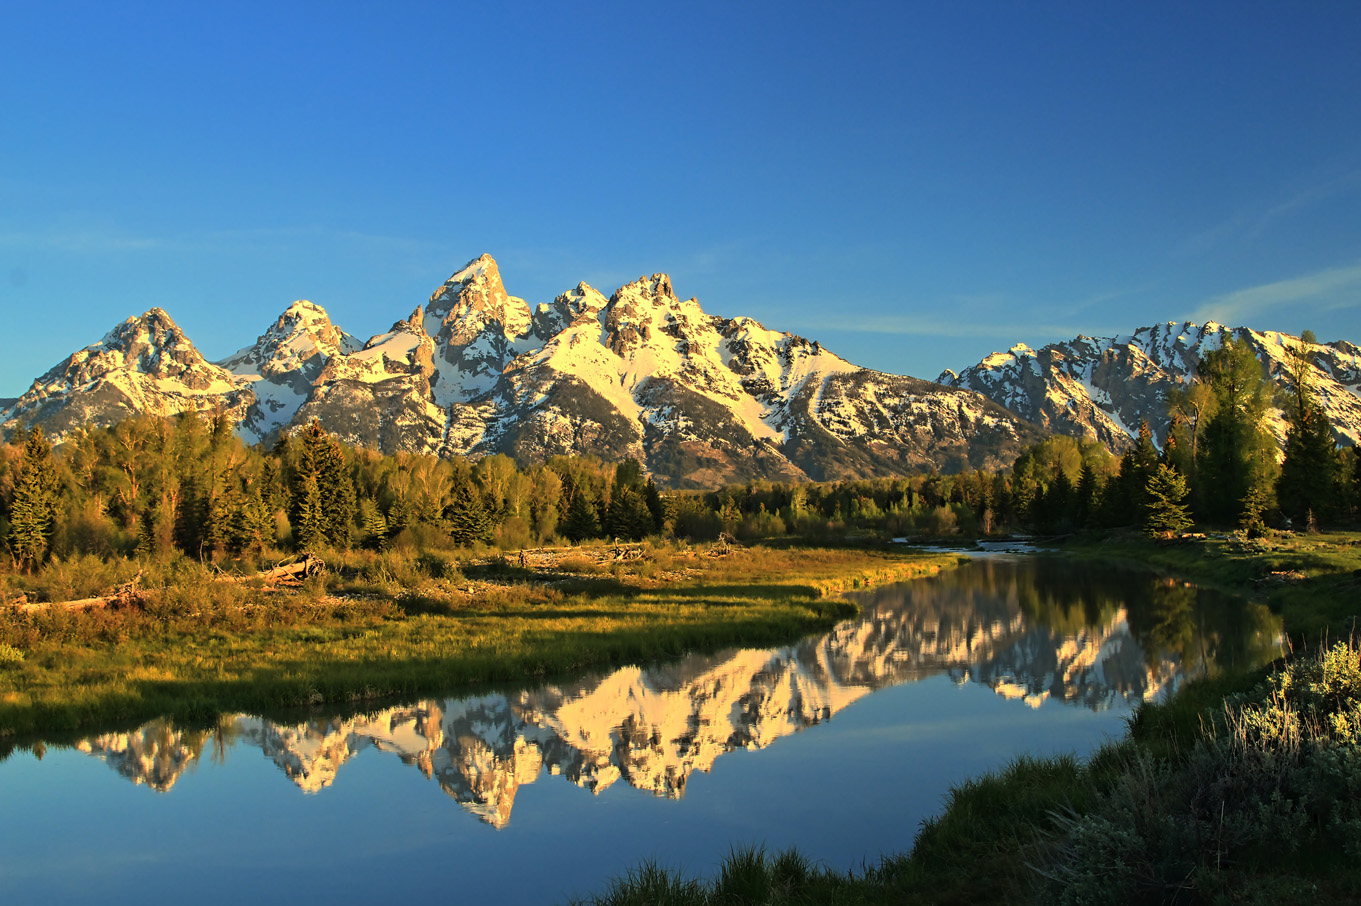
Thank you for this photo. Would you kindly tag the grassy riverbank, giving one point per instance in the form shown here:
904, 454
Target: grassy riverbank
1242, 789
378, 626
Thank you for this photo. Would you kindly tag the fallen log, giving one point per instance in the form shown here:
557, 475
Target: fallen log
124, 594
286, 574
289, 574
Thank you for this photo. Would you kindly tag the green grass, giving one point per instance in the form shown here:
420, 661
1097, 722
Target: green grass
385, 627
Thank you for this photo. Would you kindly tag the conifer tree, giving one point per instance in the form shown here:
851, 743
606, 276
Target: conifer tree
373, 525
323, 501
1308, 483
1164, 511
33, 514
308, 531
466, 517
1142, 462
1088, 496
1057, 505
1236, 454
581, 521
336, 491
655, 507
628, 516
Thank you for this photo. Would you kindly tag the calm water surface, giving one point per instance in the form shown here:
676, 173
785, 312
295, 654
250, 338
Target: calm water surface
840, 744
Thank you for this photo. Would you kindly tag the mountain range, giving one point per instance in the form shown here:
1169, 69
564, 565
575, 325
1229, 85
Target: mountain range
699, 399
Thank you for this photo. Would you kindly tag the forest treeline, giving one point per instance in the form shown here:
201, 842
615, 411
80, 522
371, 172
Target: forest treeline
156, 486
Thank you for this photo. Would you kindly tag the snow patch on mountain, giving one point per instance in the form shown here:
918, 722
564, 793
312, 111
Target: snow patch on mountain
1104, 387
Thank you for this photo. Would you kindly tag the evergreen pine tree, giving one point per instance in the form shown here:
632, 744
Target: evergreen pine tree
466, 517
33, 514
628, 516
655, 507
1142, 463
581, 521
1164, 511
1088, 496
1310, 470
1236, 454
336, 490
323, 501
308, 531
1058, 505
373, 525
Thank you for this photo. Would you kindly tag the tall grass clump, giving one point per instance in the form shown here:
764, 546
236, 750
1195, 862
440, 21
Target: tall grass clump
749, 877
1270, 790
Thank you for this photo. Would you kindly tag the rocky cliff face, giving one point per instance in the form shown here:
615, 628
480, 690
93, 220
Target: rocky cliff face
1103, 387
700, 399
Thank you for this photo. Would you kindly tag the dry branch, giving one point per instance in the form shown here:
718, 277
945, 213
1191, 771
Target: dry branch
290, 574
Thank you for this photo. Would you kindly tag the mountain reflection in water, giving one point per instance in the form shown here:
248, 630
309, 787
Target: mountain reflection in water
1030, 628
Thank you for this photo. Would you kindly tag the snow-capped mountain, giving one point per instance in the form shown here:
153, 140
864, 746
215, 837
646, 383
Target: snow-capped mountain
700, 399
1103, 387
145, 364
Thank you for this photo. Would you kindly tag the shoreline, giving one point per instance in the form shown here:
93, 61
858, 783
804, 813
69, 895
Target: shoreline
192, 653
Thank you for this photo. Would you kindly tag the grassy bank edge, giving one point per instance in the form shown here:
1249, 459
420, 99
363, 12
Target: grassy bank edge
513, 632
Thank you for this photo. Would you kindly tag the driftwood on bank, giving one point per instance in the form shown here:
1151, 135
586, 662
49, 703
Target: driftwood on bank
288, 574
725, 545
552, 558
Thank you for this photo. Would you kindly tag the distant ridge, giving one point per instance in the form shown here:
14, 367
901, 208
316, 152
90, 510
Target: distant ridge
1103, 387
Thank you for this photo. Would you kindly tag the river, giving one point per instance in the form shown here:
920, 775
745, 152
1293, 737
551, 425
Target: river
840, 744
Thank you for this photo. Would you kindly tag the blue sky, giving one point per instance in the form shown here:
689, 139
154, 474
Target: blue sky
914, 184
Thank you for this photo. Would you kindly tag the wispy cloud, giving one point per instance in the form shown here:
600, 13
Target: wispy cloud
83, 240
935, 326
272, 235
88, 240
1326, 290
1252, 223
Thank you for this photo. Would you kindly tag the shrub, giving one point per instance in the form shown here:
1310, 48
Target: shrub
1275, 773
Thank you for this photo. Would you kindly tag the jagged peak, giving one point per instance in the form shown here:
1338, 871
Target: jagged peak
153, 327
998, 360
471, 300
300, 334
655, 290
153, 317
483, 268
302, 316
582, 297
413, 324
304, 309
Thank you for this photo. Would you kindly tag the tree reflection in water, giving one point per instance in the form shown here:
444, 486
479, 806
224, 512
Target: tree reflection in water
1037, 629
